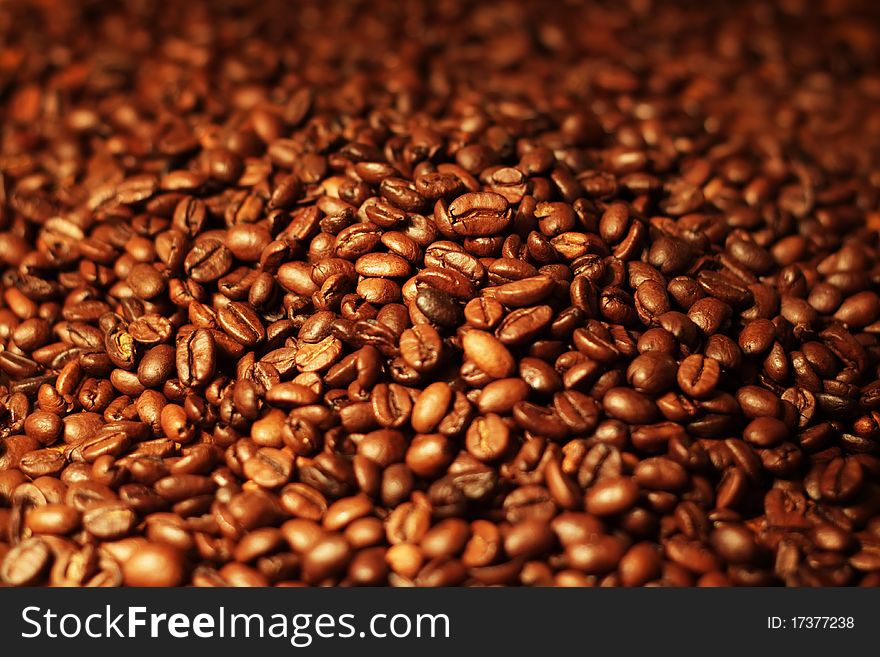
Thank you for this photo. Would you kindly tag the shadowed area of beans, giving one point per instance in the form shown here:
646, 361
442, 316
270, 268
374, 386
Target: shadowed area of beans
439, 293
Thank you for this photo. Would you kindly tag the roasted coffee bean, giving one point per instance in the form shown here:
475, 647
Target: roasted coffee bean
269, 467
421, 347
539, 375
841, 479
611, 496
735, 543
660, 473
859, 310
109, 520
765, 432
241, 322
629, 406
596, 555
26, 563
392, 405
318, 356
475, 214
487, 438
121, 348
540, 420
641, 564
500, 396
154, 564
757, 336
652, 372
247, 241
578, 411
42, 462
385, 265
208, 260
196, 358
524, 292
439, 307
150, 329
524, 325
488, 353
156, 366
759, 402
44, 427
698, 375
57, 519
483, 313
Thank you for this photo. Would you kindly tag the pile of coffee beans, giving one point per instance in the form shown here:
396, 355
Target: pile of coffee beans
439, 293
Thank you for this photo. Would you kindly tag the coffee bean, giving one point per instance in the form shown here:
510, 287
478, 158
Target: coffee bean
500, 396
529, 502
109, 520
698, 376
26, 563
630, 406
641, 564
288, 395
385, 265
758, 402
611, 496
709, 314
475, 214
765, 432
598, 554
651, 373
859, 310
318, 356
446, 539
825, 298
384, 447
247, 241
196, 358
421, 347
42, 462
757, 336
208, 260
529, 539
524, 292
150, 329
241, 322
660, 473
53, 519
32, 334
539, 375
488, 353
439, 307
146, 282
524, 325
154, 564
269, 467
483, 313
392, 405
44, 427
329, 555
156, 366
540, 420
735, 544
487, 437
841, 479
691, 555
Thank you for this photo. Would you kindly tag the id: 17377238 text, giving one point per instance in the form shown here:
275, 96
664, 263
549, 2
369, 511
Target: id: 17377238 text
810, 623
